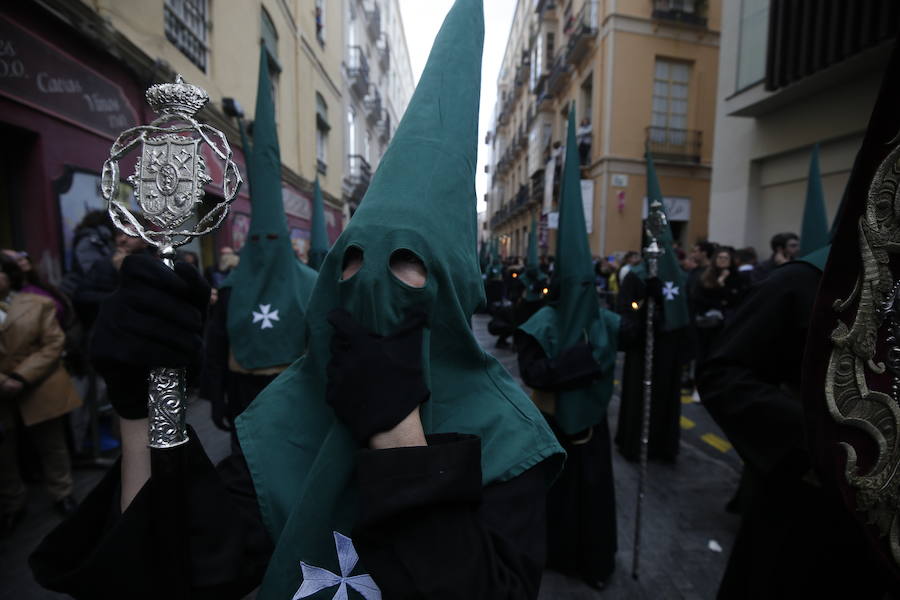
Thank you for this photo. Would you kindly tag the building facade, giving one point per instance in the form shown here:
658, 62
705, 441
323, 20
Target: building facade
73, 75
641, 73
791, 77
378, 84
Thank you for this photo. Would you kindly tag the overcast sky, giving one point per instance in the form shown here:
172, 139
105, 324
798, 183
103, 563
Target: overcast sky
421, 21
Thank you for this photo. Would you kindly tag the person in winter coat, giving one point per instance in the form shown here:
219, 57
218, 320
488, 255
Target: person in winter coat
35, 392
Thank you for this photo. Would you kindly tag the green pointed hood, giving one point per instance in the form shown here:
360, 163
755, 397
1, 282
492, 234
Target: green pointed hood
574, 272
533, 278
814, 232
318, 242
576, 316
421, 200
673, 278
269, 287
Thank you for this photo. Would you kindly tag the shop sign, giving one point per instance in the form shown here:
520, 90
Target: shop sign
38, 74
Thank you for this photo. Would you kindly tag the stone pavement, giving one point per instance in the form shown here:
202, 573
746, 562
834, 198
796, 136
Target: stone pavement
683, 514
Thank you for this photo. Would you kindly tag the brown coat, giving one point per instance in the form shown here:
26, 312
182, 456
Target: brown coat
31, 345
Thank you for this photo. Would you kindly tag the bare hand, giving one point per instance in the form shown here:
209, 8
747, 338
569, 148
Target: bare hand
406, 433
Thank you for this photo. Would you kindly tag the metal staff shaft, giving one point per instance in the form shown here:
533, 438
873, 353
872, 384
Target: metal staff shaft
656, 220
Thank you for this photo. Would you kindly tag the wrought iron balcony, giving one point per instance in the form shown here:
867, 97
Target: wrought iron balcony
559, 74
688, 12
521, 199
372, 103
384, 52
358, 70
682, 145
384, 126
373, 18
582, 32
359, 176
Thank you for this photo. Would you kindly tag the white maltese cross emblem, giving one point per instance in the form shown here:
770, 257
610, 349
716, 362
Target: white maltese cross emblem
316, 579
265, 316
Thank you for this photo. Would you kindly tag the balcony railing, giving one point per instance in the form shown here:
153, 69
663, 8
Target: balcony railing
358, 70
359, 176
689, 12
372, 103
384, 53
384, 126
559, 74
521, 199
683, 145
582, 32
373, 19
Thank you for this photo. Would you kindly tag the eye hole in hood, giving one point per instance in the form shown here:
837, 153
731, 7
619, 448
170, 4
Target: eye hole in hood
408, 268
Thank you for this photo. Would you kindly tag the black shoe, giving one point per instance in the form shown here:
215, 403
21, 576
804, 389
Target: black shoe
66, 506
9, 521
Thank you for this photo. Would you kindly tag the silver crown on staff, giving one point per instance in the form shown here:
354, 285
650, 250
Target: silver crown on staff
170, 174
168, 180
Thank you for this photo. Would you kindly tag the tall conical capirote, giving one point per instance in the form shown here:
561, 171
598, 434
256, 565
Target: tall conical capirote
318, 239
421, 201
675, 309
534, 280
574, 270
576, 317
269, 287
814, 232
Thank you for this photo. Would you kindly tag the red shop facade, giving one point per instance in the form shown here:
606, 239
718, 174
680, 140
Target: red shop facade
63, 101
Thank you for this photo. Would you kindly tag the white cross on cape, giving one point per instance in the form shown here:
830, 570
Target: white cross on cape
316, 578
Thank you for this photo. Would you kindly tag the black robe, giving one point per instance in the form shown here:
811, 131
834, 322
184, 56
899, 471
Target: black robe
581, 505
670, 353
795, 540
427, 529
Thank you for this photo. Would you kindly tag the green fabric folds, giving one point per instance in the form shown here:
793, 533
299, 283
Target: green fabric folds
814, 233
269, 287
674, 280
577, 316
421, 200
318, 242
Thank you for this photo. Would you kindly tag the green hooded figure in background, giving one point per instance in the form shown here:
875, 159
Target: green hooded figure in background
567, 353
534, 280
304, 459
318, 239
269, 287
575, 316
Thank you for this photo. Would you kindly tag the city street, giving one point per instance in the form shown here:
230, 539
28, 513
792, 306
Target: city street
687, 533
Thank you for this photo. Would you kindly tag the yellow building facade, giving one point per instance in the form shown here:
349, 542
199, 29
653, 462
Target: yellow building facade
641, 73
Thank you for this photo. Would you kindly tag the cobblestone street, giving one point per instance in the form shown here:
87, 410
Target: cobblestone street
687, 533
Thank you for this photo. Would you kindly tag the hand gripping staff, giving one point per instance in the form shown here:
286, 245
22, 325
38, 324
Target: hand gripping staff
168, 180
656, 221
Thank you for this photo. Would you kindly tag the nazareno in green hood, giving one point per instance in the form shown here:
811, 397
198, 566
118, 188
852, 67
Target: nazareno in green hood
576, 316
270, 286
422, 200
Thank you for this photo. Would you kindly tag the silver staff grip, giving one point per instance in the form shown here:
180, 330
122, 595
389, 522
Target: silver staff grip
168, 181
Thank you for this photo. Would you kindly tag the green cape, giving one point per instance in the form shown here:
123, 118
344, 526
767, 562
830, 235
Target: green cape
576, 316
269, 287
318, 240
421, 199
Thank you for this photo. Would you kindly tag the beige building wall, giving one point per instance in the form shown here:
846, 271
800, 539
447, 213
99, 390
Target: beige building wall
611, 83
764, 140
233, 39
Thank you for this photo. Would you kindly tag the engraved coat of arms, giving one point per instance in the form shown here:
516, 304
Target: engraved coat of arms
168, 179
